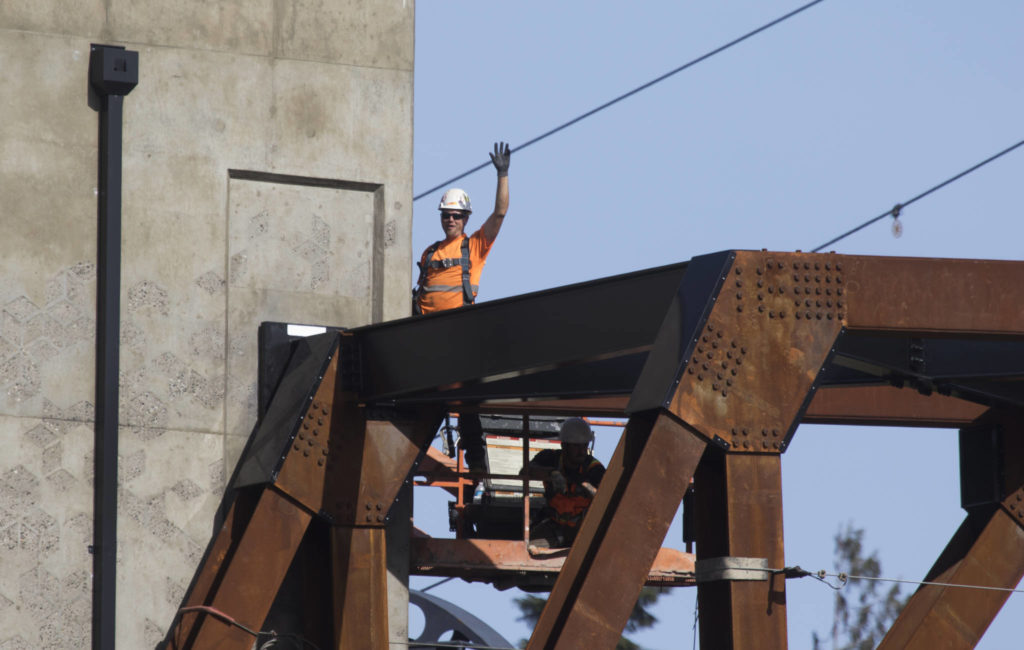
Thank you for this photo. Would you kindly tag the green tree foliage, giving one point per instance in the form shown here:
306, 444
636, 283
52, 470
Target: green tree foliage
864, 609
640, 618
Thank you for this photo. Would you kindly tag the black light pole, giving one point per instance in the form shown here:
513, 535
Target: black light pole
113, 72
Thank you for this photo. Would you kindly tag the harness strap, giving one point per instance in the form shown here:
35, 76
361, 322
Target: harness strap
463, 261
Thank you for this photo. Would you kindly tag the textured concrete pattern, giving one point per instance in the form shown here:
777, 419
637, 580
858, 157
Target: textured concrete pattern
267, 176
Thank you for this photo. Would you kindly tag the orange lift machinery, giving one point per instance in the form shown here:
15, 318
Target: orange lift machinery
715, 362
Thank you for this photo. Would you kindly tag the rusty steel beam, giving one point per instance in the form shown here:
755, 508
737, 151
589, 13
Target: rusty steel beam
360, 588
620, 535
987, 550
738, 503
931, 296
483, 559
242, 575
889, 406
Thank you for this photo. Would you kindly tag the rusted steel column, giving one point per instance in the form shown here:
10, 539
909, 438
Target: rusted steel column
987, 550
242, 575
620, 535
951, 617
738, 502
360, 588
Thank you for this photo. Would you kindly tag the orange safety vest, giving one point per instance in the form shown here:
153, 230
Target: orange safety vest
450, 273
569, 506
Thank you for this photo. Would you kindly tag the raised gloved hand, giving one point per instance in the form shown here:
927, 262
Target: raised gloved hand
558, 481
501, 157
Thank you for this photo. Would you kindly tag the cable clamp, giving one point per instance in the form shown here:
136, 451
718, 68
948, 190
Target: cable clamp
732, 568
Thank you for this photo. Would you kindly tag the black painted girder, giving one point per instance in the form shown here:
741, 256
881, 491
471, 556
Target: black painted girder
578, 324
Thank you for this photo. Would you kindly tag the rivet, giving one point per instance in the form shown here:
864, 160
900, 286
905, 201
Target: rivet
704, 338
320, 462
728, 382
714, 344
764, 432
828, 292
704, 366
828, 266
817, 266
782, 290
739, 307
301, 437
728, 354
310, 442
369, 517
796, 278
739, 362
839, 303
746, 444
797, 315
771, 314
839, 291
719, 334
839, 280
775, 433
745, 432
817, 303
739, 283
760, 308
817, 278
379, 505
1018, 496
829, 315
796, 265
316, 432
818, 315
368, 506
739, 296
719, 375
807, 291
807, 302
807, 315
760, 283
776, 445
700, 377
323, 451
380, 517
734, 433
796, 302
739, 271
711, 328
828, 279
324, 411
760, 296
305, 425
320, 421
305, 452
725, 393
296, 447
725, 364
764, 444
743, 350
768, 264
839, 267
817, 291
770, 290
316, 405
782, 314
828, 303
733, 343
759, 271
733, 371
807, 265
714, 386
691, 370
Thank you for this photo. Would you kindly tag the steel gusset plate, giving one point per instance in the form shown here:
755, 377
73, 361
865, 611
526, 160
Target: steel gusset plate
751, 332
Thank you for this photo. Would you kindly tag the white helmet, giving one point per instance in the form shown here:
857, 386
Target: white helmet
576, 431
456, 199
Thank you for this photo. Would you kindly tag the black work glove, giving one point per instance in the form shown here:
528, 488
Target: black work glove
501, 157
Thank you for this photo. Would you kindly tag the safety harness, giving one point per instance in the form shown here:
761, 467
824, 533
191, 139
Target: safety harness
467, 289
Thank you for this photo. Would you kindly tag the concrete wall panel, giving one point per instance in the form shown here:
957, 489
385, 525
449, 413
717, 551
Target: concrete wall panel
243, 26
85, 18
356, 32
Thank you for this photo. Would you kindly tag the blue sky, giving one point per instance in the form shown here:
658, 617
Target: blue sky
781, 142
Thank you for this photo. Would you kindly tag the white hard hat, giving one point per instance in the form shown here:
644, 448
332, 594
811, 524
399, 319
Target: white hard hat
456, 199
576, 431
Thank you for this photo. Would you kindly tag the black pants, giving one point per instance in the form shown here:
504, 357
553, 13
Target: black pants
471, 440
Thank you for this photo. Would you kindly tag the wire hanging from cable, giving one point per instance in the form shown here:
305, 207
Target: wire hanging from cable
896, 210
626, 95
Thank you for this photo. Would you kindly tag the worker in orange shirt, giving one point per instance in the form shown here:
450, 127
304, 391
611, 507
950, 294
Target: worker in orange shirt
450, 268
450, 274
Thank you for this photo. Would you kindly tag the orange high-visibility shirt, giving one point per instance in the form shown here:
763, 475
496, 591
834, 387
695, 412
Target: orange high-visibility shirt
442, 288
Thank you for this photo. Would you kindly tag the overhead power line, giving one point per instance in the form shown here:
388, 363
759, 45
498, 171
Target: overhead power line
618, 99
896, 209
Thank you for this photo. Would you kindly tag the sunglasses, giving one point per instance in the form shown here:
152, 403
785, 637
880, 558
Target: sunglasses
452, 215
